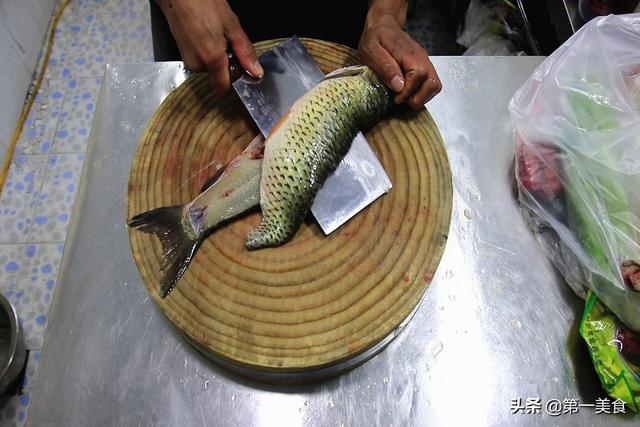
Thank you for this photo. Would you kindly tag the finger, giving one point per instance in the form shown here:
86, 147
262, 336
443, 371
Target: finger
415, 76
190, 59
384, 65
415, 65
243, 49
218, 66
220, 82
429, 88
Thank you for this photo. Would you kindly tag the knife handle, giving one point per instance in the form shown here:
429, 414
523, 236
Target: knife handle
235, 69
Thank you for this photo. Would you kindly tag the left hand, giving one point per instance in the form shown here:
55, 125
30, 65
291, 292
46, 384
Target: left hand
399, 60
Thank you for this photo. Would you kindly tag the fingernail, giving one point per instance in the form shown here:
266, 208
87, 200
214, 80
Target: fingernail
258, 69
397, 83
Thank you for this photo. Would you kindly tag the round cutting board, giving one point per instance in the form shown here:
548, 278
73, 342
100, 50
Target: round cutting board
318, 300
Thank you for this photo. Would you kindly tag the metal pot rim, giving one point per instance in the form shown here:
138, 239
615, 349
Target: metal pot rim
14, 355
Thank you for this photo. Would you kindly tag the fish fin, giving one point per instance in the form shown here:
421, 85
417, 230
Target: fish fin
178, 244
354, 70
255, 149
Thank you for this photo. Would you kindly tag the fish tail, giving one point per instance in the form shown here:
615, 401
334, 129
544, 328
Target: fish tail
174, 227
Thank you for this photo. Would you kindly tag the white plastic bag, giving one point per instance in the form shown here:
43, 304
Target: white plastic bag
492, 46
491, 28
577, 134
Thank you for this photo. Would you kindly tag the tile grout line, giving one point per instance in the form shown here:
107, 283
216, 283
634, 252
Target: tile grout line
65, 99
89, 125
38, 193
55, 129
29, 197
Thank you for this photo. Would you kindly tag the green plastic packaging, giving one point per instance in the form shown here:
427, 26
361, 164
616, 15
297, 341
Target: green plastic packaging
619, 375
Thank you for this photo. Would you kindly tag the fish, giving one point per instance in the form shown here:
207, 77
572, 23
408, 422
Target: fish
282, 173
181, 229
308, 143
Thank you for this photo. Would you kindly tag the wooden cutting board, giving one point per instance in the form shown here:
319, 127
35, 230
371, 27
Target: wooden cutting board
317, 300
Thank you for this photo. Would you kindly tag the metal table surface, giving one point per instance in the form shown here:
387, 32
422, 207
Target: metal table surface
496, 324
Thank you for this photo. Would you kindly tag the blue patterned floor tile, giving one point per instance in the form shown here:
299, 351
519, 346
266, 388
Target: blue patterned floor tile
57, 58
12, 263
14, 411
31, 374
35, 289
39, 129
67, 33
86, 8
54, 203
77, 114
25, 178
114, 34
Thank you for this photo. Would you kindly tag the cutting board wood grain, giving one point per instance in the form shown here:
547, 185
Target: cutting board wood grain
317, 300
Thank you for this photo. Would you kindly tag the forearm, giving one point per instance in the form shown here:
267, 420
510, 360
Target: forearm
386, 9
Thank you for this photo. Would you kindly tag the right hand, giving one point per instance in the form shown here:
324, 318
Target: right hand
398, 59
206, 31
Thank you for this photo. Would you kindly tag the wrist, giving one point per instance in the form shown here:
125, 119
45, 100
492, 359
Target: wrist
387, 12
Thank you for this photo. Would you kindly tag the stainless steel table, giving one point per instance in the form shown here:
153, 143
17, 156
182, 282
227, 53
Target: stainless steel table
497, 323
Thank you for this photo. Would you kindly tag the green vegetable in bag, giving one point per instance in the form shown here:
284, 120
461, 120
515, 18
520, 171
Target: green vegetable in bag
597, 204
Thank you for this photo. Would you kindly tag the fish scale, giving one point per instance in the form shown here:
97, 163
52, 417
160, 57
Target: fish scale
307, 145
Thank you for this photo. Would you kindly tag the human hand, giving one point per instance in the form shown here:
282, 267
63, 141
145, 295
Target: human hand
398, 59
206, 32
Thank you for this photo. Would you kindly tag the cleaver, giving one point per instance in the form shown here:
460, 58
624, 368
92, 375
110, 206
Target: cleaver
289, 72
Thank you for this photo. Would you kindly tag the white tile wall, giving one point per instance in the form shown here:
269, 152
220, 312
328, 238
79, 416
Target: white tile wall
23, 24
14, 83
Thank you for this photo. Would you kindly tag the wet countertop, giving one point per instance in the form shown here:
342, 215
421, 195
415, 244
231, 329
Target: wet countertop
497, 326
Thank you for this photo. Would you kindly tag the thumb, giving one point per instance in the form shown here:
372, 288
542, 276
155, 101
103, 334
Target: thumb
244, 51
385, 66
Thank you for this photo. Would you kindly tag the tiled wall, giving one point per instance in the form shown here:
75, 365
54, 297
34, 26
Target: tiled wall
23, 24
39, 193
